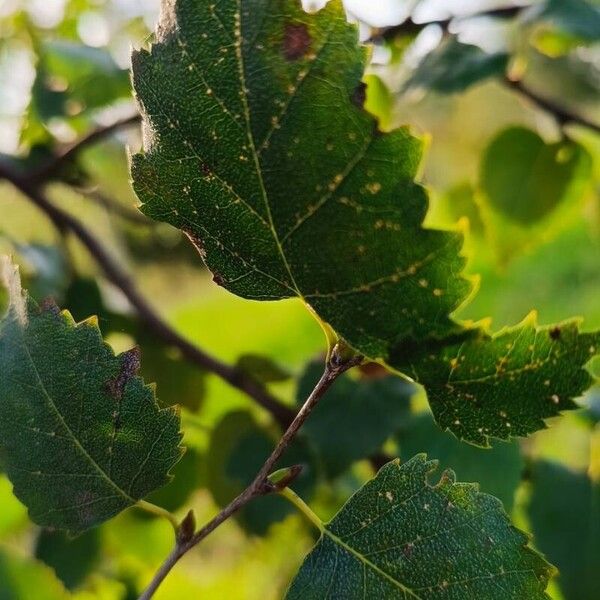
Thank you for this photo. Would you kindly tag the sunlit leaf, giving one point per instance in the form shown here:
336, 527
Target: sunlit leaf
258, 151
400, 537
525, 179
504, 385
71, 80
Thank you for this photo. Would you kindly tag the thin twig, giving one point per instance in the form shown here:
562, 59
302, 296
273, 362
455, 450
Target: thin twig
55, 165
261, 485
410, 27
561, 114
113, 271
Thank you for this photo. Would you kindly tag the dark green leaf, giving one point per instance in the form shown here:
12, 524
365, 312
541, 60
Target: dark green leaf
238, 448
565, 515
453, 67
180, 383
83, 297
355, 418
262, 368
81, 436
188, 475
399, 537
258, 151
507, 384
525, 179
18, 577
577, 17
497, 470
72, 559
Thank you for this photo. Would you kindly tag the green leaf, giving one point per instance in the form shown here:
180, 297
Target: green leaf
453, 67
187, 478
47, 269
19, 576
238, 448
71, 80
262, 368
180, 382
497, 470
258, 151
72, 559
355, 418
459, 201
400, 537
81, 436
379, 101
565, 515
525, 179
504, 385
577, 17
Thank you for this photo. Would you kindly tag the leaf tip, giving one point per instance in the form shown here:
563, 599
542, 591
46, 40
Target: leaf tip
531, 319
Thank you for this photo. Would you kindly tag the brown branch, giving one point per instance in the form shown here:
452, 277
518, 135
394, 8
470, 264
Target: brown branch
410, 27
114, 273
561, 114
260, 485
55, 165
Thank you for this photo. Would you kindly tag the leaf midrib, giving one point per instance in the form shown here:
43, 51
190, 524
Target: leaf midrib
253, 151
334, 538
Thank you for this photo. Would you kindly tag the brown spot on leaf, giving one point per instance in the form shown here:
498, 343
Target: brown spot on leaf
554, 333
296, 41
359, 95
408, 550
130, 365
49, 305
218, 279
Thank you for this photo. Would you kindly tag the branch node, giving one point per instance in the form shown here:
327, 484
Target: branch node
186, 529
280, 479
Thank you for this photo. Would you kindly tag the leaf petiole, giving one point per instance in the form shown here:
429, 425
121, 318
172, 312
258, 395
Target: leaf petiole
158, 512
292, 497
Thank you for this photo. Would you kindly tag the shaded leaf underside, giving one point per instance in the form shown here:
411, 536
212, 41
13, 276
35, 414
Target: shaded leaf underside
401, 538
81, 436
257, 149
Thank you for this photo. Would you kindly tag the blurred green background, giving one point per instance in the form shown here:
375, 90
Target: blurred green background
520, 182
